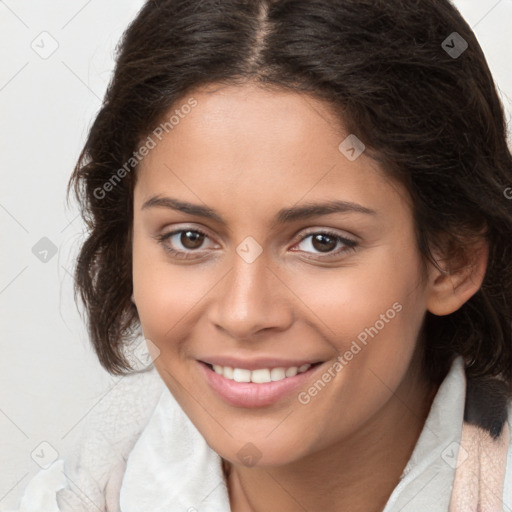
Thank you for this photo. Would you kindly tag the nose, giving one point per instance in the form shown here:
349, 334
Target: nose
251, 297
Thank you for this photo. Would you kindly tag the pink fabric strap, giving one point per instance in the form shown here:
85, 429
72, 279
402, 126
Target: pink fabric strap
480, 470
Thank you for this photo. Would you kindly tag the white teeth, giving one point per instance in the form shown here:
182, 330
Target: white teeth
259, 376
291, 372
277, 374
228, 372
241, 375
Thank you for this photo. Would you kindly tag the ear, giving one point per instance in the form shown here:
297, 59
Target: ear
450, 288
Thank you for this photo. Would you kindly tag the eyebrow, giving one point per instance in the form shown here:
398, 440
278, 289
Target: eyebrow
284, 215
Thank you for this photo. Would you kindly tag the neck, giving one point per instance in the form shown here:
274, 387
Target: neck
357, 474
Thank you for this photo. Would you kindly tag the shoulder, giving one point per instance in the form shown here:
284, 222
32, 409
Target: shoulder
116, 419
41, 492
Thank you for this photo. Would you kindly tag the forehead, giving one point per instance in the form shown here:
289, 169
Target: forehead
243, 148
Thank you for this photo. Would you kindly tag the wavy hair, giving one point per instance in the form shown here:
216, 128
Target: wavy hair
424, 105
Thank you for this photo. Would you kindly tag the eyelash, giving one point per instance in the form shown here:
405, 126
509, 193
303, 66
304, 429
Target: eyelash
350, 245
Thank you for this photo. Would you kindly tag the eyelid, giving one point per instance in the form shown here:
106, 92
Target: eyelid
298, 236
332, 231
348, 243
177, 228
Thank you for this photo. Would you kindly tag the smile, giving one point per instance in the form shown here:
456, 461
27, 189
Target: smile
241, 387
259, 376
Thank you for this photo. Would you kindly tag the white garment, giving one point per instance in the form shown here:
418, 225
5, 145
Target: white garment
171, 468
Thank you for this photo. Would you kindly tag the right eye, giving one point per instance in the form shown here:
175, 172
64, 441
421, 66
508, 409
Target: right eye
189, 239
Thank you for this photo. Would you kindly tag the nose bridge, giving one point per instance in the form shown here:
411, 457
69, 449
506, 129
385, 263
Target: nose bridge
251, 297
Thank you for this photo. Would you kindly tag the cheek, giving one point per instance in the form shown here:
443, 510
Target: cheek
348, 300
159, 292
167, 296
371, 315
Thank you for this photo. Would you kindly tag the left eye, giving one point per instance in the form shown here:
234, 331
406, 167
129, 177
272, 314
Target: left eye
325, 242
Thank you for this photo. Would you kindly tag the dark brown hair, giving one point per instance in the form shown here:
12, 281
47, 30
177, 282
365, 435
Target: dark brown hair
432, 117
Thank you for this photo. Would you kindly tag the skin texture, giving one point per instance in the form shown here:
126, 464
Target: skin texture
246, 153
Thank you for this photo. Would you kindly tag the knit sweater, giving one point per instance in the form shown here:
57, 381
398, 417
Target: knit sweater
139, 452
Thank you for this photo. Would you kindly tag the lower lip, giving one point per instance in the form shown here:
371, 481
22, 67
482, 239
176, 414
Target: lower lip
250, 394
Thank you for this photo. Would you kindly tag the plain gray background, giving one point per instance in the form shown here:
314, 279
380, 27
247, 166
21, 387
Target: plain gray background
57, 58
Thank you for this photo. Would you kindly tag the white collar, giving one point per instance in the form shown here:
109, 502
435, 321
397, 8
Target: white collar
172, 468
427, 479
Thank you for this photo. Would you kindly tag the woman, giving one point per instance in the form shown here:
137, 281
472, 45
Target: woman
302, 207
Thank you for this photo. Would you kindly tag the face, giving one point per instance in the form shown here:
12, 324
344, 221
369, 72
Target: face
252, 277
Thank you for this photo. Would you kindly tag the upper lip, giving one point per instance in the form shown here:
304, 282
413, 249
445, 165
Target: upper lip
257, 363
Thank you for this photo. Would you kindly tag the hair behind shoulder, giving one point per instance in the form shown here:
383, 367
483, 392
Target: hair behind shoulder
433, 120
